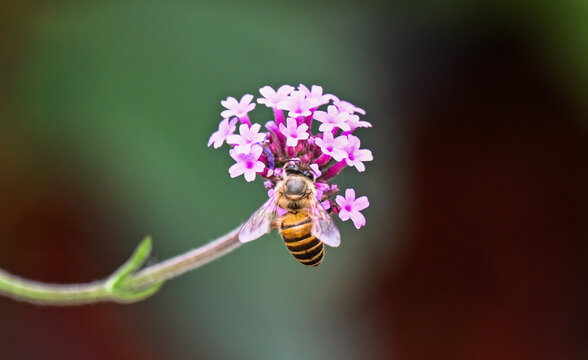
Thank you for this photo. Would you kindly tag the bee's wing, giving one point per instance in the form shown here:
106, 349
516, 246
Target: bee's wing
323, 226
260, 222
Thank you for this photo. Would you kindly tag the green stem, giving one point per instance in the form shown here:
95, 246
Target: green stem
186, 262
125, 285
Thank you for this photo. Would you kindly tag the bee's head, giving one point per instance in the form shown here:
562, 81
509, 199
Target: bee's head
293, 167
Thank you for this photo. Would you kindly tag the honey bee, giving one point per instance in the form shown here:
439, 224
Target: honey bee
305, 227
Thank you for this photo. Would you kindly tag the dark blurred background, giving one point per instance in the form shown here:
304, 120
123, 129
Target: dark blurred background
475, 241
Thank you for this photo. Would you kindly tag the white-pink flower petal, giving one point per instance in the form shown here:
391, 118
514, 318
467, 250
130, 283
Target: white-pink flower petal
272, 98
316, 170
247, 164
297, 104
354, 122
331, 119
226, 128
248, 136
316, 94
346, 106
355, 156
294, 132
333, 147
237, 108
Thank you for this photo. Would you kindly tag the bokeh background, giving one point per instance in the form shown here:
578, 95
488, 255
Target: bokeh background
475, 242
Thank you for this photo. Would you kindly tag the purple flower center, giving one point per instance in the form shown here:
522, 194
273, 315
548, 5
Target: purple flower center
249, 164
348, 208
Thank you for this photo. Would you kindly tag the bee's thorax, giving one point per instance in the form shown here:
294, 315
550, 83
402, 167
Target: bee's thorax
295, 187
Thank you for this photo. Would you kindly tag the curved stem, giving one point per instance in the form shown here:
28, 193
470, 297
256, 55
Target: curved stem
125, 285
186, 262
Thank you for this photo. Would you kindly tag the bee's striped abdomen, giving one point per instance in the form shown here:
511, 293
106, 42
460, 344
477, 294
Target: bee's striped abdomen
296, 232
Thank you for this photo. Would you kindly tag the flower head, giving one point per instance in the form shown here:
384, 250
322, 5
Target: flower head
226, 128
350, 207
320, 156
247, 164
294, 132
248, 136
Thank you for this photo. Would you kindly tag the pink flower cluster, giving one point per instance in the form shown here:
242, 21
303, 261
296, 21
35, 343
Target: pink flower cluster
289, 136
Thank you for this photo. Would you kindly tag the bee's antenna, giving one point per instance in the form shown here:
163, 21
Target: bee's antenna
270, 157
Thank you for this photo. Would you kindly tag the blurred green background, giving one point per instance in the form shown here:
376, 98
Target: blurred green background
105, 111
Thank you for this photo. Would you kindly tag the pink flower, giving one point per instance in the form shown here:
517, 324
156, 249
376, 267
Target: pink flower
355, 156
271, 98
316, 94
268, 185
347, 106
294, 132
333, 147
316, 170
247, 164
326, 204
247, 138
321, 186
226, 128
350, 207
331, 119
297, 104
354, 122
237, 108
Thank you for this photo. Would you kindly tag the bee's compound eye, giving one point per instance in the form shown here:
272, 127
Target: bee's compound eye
292, 169
308, 174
